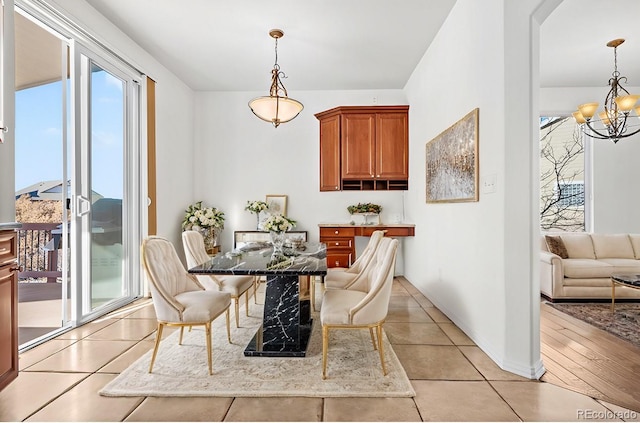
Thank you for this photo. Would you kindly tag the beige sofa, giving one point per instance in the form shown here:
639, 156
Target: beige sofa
590, 260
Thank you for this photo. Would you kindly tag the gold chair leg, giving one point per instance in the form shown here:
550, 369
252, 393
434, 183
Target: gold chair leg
373, 339
325, 347
181, 332
228, 325
237, 306
208, 335
256, 281
246, 302
155, 348
312, 281
380, 349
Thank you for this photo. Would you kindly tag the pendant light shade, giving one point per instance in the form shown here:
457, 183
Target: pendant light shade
277, 107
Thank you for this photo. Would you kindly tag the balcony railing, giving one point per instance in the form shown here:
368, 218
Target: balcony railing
38, 252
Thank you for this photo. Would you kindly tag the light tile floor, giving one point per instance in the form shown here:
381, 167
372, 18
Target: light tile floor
454, 380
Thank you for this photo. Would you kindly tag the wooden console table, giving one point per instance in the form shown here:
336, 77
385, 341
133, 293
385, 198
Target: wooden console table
340, 239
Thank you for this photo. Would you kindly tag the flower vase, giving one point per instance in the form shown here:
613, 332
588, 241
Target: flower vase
257, 221
210, 236
277, 240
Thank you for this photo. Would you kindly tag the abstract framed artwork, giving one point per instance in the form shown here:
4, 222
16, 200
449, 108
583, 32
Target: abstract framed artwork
277, 204
452, 162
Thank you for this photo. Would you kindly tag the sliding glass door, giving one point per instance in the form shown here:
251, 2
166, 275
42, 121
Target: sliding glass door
105, 180
81, 135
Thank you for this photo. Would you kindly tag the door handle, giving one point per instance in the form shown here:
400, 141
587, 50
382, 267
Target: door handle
83, 206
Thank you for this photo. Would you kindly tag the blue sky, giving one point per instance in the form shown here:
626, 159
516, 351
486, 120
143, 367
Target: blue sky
39, 134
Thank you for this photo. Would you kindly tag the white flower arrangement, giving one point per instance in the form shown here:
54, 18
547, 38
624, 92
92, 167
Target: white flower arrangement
278, 223
256, 206
197, 216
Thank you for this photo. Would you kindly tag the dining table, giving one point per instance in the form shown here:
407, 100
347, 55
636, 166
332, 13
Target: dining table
286, 321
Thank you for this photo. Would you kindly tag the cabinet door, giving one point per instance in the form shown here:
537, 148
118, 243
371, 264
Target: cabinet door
358, 145
330, 153
392, 146
9, 327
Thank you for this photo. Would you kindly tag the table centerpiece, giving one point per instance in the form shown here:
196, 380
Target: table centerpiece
277, 225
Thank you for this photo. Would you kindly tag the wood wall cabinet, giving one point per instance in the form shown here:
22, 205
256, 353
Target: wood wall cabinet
340, 239
364, 148
8, 307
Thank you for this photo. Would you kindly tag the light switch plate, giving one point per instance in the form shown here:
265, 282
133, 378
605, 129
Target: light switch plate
489, 183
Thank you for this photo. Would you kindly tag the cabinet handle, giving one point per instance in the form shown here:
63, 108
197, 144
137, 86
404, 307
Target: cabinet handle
337, 243
3, 250
337, 263
337, 232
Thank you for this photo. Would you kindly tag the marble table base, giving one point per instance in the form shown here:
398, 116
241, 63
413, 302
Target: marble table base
286, 323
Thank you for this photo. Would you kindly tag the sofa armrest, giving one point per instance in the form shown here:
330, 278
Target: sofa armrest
551, 274
550, 258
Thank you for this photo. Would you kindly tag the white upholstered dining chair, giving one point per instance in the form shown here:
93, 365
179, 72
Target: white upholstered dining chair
235, 285
363, 305
341, 277
178, 298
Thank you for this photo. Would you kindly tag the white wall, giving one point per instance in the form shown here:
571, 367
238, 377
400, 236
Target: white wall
614, 202
473, 260
239, 157
174, 117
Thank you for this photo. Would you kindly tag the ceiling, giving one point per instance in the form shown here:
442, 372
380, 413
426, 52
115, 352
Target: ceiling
328, 45
340, 45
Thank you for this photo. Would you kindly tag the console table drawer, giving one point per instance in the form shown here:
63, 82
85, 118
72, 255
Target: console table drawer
337, 243
338, 259
390, 231
337, 232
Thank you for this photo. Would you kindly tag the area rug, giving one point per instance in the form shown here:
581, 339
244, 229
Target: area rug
624, 322
353, 367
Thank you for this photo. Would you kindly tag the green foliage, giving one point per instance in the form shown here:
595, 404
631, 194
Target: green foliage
364, 208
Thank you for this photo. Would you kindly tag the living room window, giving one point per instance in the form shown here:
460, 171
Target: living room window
570, 194
562, 175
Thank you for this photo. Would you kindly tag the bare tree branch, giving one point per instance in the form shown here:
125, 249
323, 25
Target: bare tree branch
560, 206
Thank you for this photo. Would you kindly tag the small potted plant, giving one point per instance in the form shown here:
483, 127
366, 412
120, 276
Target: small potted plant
366, 209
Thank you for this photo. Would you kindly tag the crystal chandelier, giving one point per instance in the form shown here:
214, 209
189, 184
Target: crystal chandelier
277, 107
613, 124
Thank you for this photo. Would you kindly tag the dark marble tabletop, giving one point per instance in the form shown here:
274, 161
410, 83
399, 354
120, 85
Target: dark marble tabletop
258, 259
627, 279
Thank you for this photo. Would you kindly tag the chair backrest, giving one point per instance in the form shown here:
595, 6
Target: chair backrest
366, 255
194, 249
375, 305
196, 254
363, 281
167, 277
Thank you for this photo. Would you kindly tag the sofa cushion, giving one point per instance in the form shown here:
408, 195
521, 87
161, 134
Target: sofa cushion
621, 265
588, 283
586, 268
578, 245
556, 246
612, 246
635, 243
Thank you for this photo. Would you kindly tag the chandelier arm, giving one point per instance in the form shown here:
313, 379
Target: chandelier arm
597, 133
600, 136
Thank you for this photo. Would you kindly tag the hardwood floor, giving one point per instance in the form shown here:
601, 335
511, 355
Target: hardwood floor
588, 360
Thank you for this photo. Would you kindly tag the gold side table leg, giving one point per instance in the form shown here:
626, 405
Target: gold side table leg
613, 295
